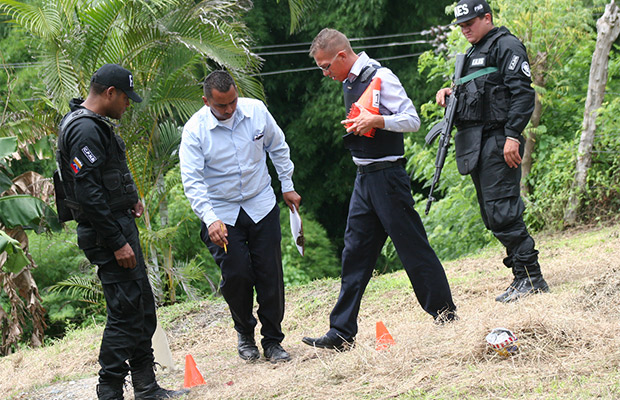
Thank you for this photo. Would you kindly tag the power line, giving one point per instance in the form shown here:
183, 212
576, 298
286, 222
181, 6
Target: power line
371, 46
277, 46
21, 64
285, 71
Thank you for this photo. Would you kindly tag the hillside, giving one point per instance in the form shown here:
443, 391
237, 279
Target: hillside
569, 339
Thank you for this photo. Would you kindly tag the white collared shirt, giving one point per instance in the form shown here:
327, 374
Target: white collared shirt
224, 169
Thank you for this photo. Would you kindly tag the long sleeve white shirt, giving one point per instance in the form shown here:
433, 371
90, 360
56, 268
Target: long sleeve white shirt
225, 168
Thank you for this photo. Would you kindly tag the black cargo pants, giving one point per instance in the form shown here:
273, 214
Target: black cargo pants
498, 189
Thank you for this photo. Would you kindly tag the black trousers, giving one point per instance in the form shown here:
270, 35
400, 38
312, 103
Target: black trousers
382, 205
253, 261
131, 323
501, 206
129, 329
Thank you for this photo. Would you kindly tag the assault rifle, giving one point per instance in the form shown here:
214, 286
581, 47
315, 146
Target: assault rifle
444, 128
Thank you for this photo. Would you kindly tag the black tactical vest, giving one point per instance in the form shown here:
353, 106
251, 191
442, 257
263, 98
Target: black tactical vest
385, 143
483, 100
118, 186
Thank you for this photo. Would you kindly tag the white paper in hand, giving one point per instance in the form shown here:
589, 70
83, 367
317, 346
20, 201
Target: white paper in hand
297, 230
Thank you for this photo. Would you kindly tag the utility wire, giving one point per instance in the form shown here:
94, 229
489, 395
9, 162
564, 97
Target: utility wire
371, 46
285, 71
277, 46
284, 52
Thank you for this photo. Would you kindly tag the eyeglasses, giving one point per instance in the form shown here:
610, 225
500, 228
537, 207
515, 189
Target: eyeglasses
326, 69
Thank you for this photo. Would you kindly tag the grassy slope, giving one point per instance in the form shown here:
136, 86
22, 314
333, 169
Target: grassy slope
569, 338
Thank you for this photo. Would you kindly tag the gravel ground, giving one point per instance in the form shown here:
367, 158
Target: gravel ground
83, 389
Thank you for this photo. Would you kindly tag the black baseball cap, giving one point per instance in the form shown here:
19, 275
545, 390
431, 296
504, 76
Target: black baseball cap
117, 76
468, 9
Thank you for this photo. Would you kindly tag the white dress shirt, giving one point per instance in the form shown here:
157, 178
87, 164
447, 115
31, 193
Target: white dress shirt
224, 168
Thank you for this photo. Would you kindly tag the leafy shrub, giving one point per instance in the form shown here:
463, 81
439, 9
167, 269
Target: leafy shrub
319, 260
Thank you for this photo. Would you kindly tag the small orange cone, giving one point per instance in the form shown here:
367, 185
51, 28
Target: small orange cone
192, 375
370, 101
384, 339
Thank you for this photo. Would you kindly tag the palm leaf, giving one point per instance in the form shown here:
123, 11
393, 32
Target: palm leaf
43, 22
80, 288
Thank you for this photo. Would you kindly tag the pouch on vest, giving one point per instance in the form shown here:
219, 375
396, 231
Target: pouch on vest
467, 144
64, 212
470, 103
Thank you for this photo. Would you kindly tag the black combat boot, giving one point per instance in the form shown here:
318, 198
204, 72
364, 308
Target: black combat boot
502, 297
110, 391
529, 280
145, 387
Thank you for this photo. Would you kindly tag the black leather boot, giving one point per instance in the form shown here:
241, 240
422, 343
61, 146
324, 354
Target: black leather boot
529, 280
145, 386
502, 297
110, 391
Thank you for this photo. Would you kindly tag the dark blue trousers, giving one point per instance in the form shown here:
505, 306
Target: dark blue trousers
253, 261
382, 205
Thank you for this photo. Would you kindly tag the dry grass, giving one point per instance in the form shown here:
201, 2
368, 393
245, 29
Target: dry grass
569, 338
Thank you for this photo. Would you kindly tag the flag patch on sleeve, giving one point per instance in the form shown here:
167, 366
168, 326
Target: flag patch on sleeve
76, 165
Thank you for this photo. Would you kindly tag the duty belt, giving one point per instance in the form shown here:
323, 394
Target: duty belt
377, 166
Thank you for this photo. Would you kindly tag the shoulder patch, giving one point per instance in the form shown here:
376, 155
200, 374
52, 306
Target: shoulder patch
89, 154
513, 63
525, 67
76, 165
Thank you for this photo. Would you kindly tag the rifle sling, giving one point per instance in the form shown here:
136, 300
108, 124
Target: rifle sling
475, 75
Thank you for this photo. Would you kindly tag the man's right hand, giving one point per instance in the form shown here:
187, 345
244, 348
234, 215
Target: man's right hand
218, 233
125, 256
440, 97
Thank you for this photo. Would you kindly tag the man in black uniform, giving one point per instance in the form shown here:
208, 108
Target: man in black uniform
381, 203
102, 197
495, 102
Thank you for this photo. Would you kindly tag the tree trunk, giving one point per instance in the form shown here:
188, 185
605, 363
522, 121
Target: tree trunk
530, 135
608, 27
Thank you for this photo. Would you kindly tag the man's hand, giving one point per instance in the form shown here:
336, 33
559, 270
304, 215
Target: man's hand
125, 256
291, 198
218, 233
440, 97
511, 153
137, 210
364, 122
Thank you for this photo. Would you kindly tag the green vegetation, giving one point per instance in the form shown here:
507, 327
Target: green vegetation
170, 61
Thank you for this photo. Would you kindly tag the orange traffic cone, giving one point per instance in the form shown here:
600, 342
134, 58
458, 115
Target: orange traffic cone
370, 101
384, 339
192, 375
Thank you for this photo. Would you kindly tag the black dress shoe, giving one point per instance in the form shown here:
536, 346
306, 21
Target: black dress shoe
275, 353
445, 317
327, 342
246, 346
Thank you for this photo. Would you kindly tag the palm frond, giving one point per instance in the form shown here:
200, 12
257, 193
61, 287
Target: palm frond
102, 41
60, 78
80, 288
298, 9
44, 22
